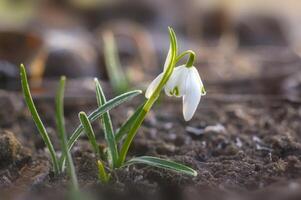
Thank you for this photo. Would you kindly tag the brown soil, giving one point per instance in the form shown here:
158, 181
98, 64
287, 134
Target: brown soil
243, 147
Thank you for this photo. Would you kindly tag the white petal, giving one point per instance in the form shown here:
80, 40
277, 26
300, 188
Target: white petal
154, 84
192, 97
175, 86
196, 73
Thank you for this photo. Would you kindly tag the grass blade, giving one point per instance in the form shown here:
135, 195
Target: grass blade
117, 78
89, 132
108, 127
98, 113
161, 163
36, 118
60, 122
125, 127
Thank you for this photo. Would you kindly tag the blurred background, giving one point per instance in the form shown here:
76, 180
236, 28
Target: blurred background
242, 46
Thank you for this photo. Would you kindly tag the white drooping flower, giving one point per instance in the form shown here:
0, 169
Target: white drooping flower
184, 82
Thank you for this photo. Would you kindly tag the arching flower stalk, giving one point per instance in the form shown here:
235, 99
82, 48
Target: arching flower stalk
185, 82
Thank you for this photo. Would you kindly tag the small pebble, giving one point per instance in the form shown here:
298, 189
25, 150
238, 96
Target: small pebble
218, 128
238, 142
256, 139
194, 131
262, 148
204, 144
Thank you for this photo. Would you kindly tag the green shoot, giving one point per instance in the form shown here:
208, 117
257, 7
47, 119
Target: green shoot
107, 124
117, 78
102, 175
60, 121
37, 119
96, 114
89, 132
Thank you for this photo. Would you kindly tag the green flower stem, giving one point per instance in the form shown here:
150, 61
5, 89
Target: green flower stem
147, 106
123, 130
60, 121
190, 60
37, 119
130, 137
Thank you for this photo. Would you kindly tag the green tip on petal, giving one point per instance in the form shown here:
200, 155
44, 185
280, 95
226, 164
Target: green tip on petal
203, 91
175, 91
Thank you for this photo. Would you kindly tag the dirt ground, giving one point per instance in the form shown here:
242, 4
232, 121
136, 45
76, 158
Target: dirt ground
242, 146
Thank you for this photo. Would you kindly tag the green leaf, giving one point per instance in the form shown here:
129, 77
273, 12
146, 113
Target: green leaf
101, 110
125, 127
37, 119
161, 163
98, 113
59, 110
107, 124
60, 122
102, 174
89, 132
116, 75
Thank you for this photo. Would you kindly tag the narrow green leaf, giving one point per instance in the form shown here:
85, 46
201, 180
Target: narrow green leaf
89, 132
60, 122
98, 113
116, 75
125, 127
36, 118
107, 124
102, 175
59, 108
161, 163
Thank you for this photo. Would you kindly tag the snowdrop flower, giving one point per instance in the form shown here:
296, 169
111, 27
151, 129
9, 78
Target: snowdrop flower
184, 82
